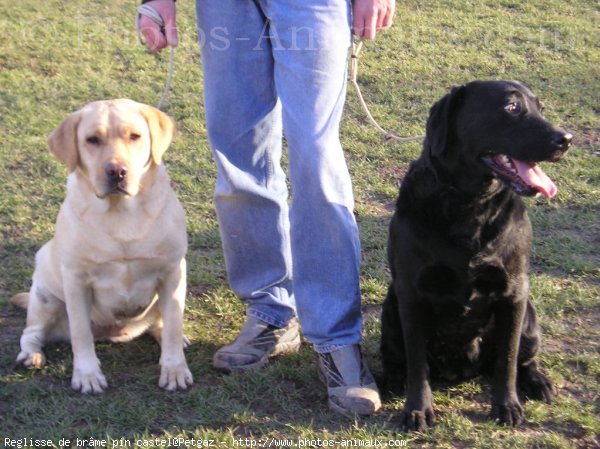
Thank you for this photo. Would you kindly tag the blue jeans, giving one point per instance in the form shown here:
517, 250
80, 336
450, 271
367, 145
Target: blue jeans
273, 67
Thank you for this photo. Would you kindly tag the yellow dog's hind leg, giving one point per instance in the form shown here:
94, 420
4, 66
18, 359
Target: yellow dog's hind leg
156, 332
46, 321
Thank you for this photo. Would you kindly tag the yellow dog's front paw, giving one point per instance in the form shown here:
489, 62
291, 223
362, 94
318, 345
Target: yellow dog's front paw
35, 359
88, 380
177, 377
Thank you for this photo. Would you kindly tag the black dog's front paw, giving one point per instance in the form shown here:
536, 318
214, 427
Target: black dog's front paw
417, 420
535, 385
509, 413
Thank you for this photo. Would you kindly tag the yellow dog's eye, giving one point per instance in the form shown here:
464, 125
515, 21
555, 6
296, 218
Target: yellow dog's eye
93, 140
134, 136
513, 108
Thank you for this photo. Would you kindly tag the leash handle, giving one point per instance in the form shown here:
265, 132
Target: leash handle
356, 47
152, 14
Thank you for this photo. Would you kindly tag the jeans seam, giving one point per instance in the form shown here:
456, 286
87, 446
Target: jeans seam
270, 170
266, 318
323, 349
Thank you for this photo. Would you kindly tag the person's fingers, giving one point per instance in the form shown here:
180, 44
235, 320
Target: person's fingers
371, 16
171, 29
370, 25
358, 23
364, 23
153, 36
388, 17
380, 18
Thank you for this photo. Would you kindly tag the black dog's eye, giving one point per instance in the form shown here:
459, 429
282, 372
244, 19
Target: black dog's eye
93, 140
513, 108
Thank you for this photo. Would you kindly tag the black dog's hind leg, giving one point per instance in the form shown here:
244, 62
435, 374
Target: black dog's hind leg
392, 346
532, 383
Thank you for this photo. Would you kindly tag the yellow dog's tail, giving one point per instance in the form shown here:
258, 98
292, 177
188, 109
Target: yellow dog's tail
20, 300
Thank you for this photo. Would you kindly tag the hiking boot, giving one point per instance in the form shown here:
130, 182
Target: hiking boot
350, 385
256, 343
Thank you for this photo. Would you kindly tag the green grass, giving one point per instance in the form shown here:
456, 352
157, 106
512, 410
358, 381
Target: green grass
56, 56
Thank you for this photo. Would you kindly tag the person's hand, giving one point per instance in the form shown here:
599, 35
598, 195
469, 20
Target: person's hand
153, 36
371, 16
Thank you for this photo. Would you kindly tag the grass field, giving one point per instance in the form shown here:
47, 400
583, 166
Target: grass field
56, 56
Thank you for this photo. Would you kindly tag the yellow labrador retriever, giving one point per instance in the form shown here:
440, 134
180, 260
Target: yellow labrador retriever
116, 265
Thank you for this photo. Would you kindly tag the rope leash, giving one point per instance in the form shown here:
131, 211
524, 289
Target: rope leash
356, 47
148, 11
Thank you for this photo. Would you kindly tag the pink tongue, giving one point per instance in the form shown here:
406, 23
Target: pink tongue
535, 177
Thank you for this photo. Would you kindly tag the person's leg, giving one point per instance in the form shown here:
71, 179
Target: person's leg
310, 47
244, 128
243, 119
310, 43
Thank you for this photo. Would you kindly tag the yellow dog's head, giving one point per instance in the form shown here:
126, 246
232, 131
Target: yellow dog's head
113, 144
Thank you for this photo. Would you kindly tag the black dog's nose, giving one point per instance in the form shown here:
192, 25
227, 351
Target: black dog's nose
562, 141
115, 172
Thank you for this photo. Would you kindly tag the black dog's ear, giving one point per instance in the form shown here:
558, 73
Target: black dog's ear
440, 115
520, 85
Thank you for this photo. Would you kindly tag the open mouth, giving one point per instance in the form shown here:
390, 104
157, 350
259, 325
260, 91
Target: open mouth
525, 178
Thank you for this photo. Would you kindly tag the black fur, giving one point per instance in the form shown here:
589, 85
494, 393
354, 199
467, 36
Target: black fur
458, 304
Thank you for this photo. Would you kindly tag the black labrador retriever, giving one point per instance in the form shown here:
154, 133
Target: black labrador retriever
458, 304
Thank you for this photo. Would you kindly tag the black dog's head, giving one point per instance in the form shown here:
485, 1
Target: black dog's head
487, 129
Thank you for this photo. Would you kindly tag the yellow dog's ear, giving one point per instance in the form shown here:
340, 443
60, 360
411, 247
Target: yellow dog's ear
63, 141
161, 129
